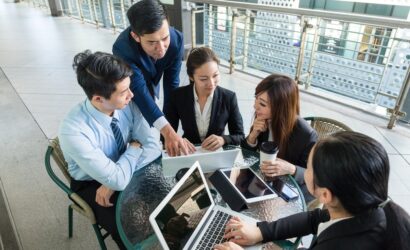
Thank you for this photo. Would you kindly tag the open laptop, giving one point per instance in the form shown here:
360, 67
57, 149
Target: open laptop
188, 218
209, 160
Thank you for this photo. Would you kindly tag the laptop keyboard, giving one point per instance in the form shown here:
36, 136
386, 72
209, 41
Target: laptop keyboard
215, 232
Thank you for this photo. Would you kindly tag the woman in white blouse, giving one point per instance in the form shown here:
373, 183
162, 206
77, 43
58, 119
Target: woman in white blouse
203, 107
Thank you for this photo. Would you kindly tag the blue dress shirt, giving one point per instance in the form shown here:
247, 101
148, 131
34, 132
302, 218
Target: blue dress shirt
90, 149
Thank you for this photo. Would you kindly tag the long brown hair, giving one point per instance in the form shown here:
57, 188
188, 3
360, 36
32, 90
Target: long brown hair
283, 96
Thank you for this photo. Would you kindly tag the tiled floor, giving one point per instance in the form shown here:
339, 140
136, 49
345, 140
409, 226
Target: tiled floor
36, 52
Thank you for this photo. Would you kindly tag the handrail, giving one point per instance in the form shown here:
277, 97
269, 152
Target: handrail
368, 19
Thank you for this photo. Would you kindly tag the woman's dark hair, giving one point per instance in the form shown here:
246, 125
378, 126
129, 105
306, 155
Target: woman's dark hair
98, 73
146, 16
198, 57
283, 96
355, 168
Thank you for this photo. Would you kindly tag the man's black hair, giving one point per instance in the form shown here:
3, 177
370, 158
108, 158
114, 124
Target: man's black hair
146, 16
98, 73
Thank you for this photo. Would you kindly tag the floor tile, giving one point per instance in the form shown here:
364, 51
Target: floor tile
403, 201
400, 166
407, 158
399, 137
397, 187
43, 80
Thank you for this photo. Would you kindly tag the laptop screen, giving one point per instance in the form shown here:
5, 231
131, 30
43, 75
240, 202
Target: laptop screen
184, 212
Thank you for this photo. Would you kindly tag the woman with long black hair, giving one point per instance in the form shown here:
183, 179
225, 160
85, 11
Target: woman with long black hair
349, 173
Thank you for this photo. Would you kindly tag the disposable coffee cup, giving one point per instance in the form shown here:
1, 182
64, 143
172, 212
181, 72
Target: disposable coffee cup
268, 151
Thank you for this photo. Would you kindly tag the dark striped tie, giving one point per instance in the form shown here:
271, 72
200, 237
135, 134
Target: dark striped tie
118, 136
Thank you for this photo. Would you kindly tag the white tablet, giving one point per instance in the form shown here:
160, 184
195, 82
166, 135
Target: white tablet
248, 184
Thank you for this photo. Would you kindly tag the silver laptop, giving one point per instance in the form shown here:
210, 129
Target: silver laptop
188, 218
209, 160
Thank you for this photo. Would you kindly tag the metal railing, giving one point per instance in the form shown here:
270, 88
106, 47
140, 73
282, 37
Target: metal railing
366, 58
40, 3
110, 14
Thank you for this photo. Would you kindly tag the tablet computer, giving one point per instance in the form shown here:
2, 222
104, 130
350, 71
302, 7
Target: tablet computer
248, 184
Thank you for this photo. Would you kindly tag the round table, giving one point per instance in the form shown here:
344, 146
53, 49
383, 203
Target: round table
148, 187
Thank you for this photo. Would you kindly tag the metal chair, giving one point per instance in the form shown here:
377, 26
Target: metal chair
78, 204
326, 126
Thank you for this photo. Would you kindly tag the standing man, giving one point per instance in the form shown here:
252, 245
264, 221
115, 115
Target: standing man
95, 134
153, 50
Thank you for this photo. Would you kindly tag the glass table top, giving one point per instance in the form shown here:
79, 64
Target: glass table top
148, 187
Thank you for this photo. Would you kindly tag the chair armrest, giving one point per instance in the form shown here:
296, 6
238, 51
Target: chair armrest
82, 207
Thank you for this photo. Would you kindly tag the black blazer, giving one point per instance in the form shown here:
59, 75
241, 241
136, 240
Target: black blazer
301, 141
364, 231
224, 111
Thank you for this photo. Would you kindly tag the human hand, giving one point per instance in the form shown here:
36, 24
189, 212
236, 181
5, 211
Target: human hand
103, 195
258, 126
135, 143
213, 142
229, 245
191, 147
242, 233
277, 168
174, 144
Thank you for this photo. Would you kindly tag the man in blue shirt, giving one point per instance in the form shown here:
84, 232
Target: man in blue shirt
95, 134
153, 50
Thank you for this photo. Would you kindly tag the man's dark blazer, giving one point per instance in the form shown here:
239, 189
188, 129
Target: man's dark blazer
365, 231
225, 110
300, 142
147, 73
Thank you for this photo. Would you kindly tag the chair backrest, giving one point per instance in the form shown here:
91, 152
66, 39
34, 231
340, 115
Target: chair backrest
326, 126
79, 204
58, 157
54, 151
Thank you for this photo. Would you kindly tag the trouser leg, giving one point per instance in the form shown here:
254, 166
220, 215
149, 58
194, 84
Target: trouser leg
105, 216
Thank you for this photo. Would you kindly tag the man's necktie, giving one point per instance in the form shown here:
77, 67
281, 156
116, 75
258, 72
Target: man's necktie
118, 136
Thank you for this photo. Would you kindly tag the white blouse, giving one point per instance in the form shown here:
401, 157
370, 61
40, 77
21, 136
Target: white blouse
203, 119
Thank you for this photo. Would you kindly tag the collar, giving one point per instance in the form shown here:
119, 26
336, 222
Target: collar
99, 116
324, 225
358, 224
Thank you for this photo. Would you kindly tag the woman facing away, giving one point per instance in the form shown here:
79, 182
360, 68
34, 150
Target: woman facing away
203, 107
349, 173
277, 119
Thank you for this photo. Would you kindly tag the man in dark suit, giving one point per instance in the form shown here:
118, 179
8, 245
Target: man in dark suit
153, 50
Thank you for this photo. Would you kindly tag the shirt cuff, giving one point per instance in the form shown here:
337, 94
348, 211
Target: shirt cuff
133, 150
160, 123
252, 145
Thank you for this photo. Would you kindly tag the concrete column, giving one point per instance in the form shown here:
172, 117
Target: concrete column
55, 7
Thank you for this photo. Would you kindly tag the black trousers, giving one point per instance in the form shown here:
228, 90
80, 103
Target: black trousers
105, 216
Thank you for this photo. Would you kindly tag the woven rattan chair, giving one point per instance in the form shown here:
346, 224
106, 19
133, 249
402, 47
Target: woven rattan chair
78, 204
326, 126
